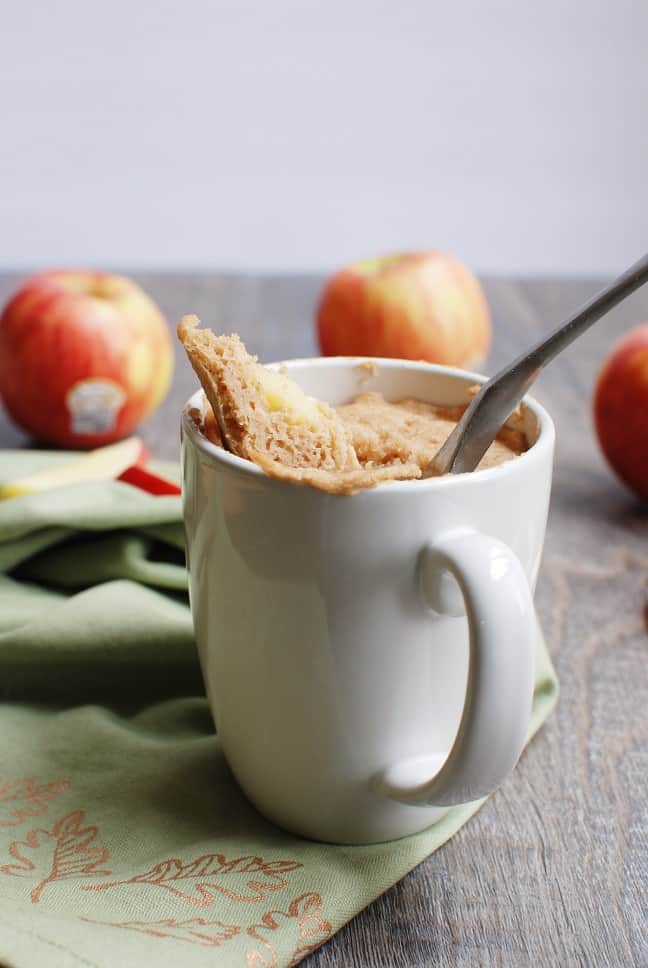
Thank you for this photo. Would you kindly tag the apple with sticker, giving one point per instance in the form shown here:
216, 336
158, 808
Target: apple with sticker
84, 357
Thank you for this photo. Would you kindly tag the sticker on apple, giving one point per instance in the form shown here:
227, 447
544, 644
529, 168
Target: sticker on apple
94, 406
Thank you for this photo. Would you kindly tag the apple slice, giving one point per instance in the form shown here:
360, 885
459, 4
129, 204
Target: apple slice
146, 480
101, 464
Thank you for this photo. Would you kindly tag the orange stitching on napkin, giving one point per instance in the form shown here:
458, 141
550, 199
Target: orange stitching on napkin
25, 797
64, 849
194, 931
197, 881
310, 929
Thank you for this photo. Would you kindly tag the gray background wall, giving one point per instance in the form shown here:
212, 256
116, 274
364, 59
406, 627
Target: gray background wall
291, 134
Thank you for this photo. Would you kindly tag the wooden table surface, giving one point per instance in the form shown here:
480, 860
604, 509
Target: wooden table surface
554, 869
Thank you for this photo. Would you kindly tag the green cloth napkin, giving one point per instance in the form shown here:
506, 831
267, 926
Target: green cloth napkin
124, 840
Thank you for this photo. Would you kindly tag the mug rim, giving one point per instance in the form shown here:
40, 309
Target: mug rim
541, 449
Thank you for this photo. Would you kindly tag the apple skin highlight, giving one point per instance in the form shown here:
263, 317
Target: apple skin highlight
417, 306
84, 357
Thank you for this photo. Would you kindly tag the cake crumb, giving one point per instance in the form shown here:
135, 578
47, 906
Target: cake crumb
365, 371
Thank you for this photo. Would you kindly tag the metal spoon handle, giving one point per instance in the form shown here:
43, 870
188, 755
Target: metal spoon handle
597, 306
499, 397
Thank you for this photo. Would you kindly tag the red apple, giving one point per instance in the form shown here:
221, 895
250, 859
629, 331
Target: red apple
621, 410
416, 306
84, 357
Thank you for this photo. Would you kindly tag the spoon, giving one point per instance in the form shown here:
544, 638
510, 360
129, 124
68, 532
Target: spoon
499, 397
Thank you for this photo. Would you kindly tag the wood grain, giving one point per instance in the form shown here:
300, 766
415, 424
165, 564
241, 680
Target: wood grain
554, 870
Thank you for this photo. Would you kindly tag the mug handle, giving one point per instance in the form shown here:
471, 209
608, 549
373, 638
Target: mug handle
496, 598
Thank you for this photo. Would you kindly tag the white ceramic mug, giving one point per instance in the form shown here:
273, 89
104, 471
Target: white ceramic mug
368, 659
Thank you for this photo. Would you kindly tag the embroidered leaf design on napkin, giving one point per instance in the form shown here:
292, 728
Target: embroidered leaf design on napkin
301, 923
209, 934
62, 852
197, 882
23, 798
